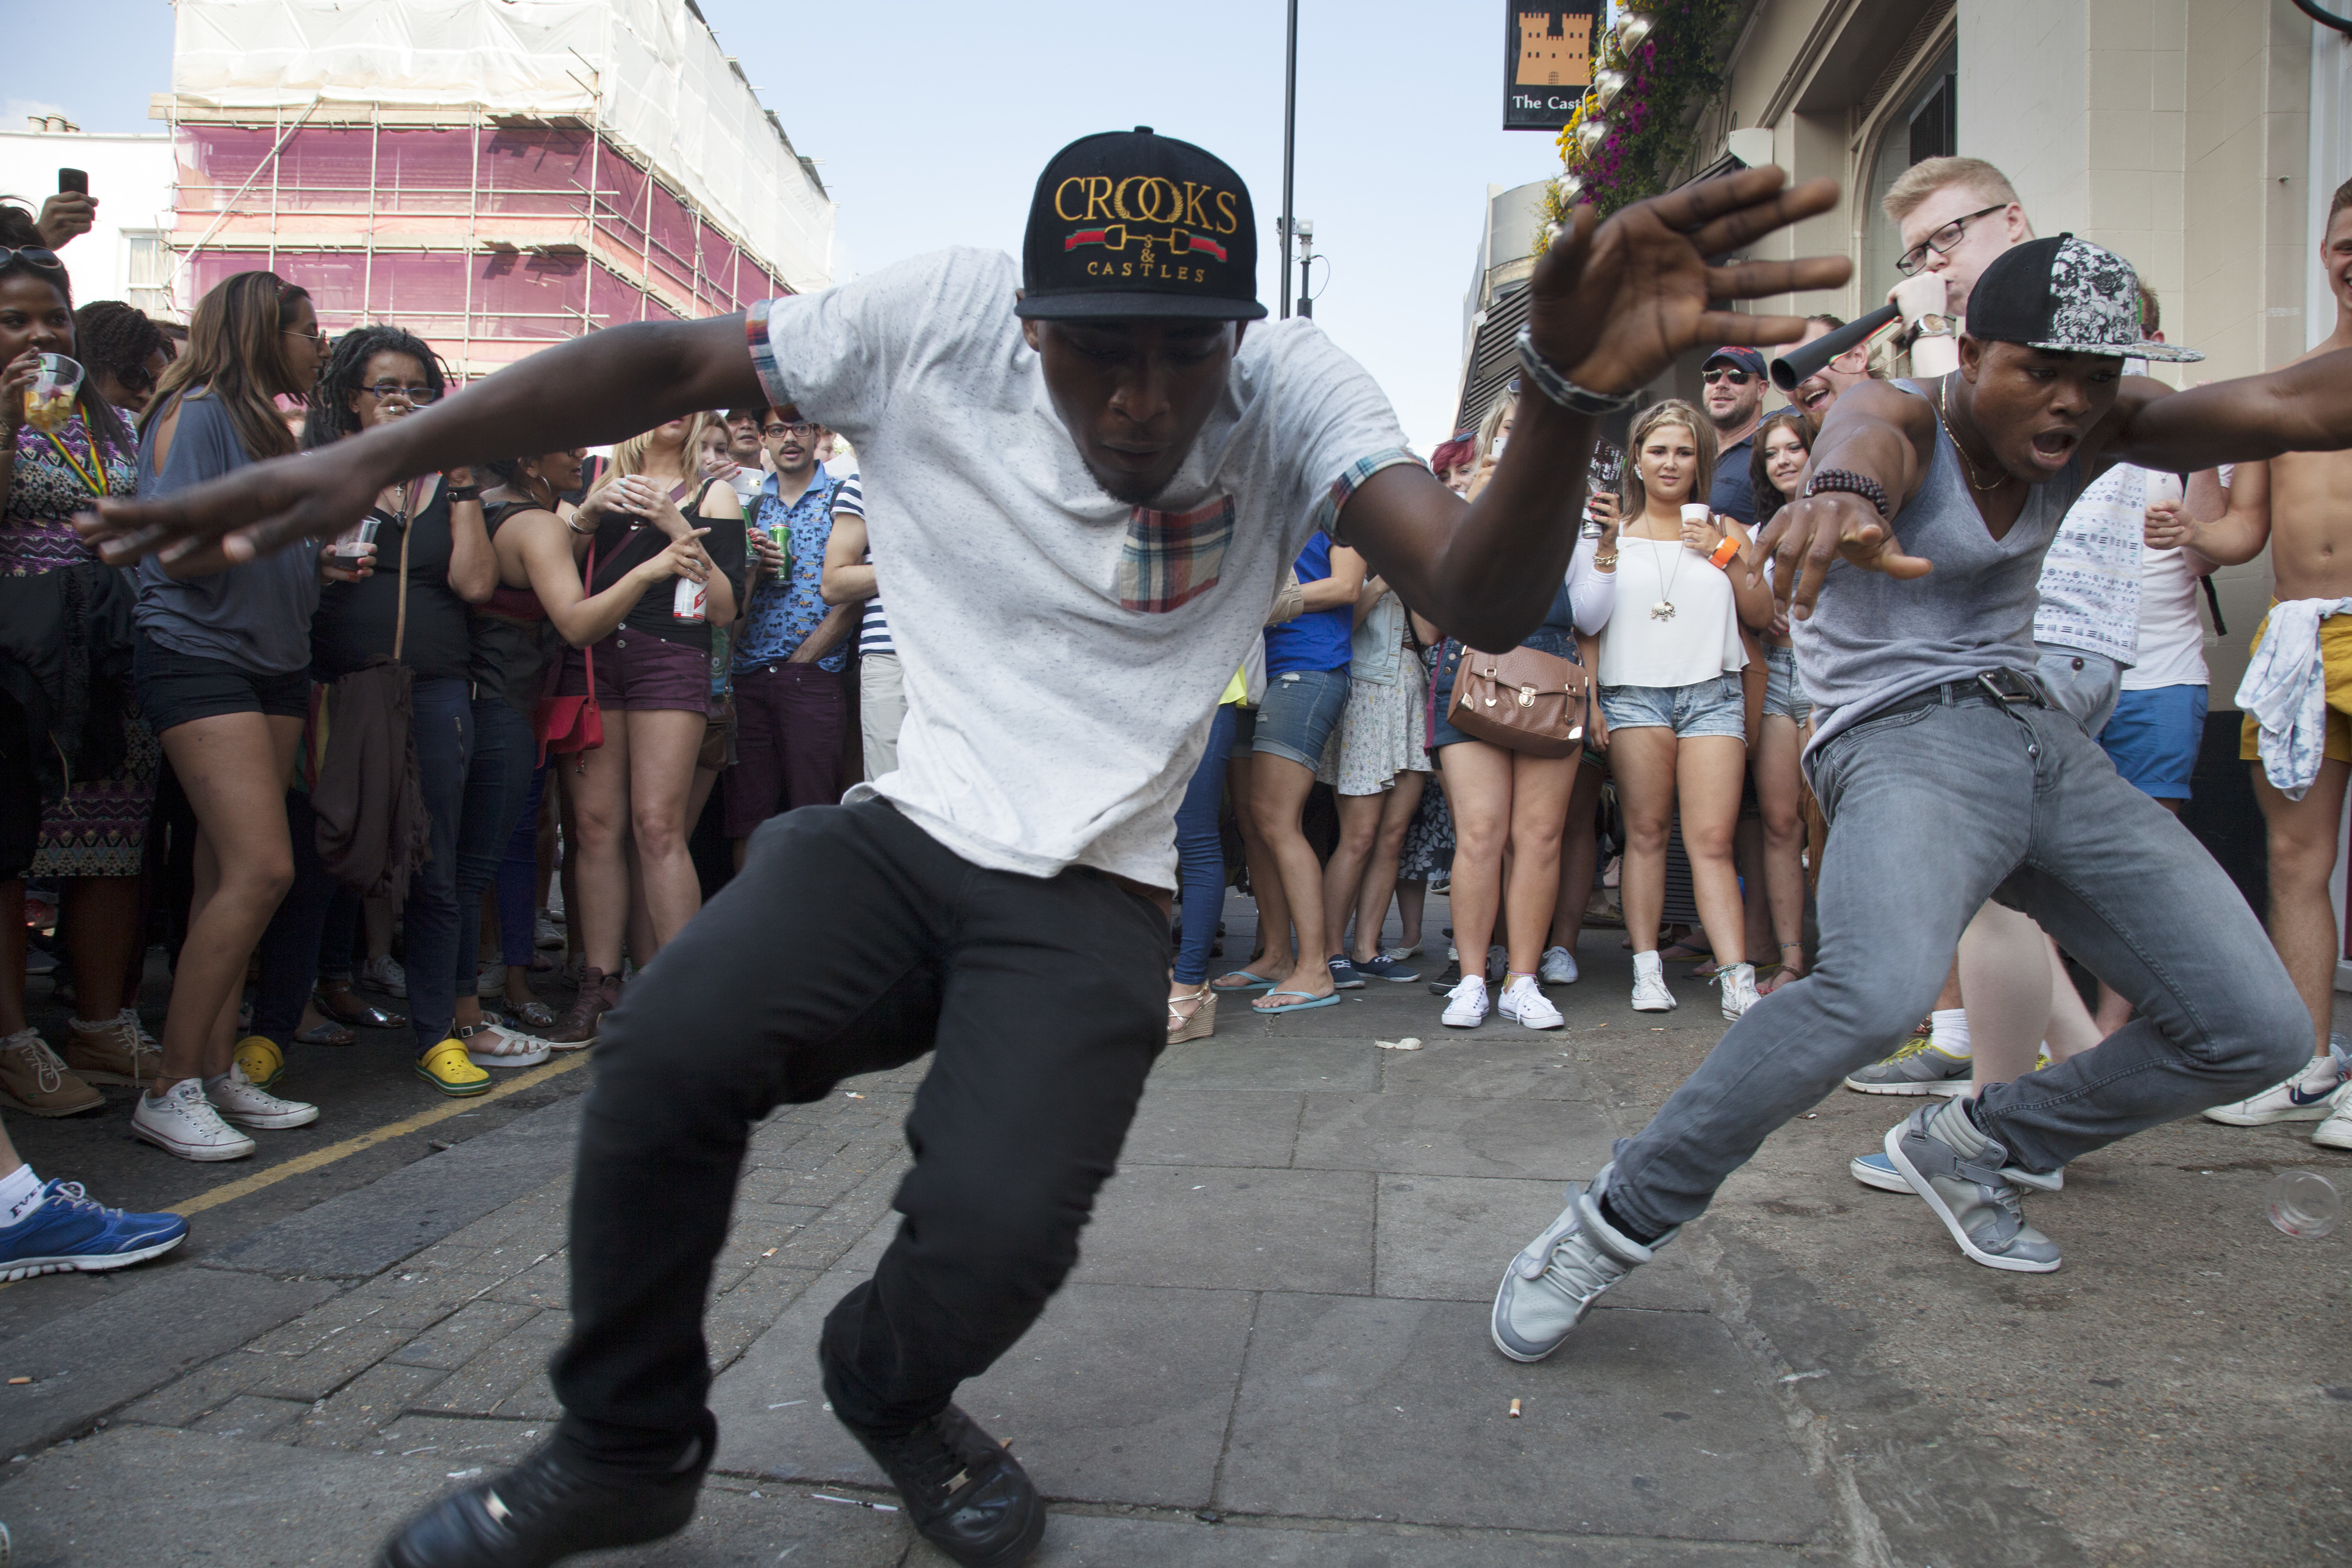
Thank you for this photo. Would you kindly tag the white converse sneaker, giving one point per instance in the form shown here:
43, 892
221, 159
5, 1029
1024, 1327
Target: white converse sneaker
1739, 990
1558, 968
2312, 1095
1650, 993
1466, 1004
183, 1122
1521, 1000
238, 1099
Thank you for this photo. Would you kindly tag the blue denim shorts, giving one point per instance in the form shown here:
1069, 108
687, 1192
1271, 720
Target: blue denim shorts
1783, 693
1717, 707
1300, 710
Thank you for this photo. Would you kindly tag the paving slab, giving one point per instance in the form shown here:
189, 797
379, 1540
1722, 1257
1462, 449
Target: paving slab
1446, 1136
1526, 1066
1227, 1229
1118, 1394
1092, 1541
1447, 1238
366, 1231
123, 1346
1646, 1424
1250, 1059
1211, 1127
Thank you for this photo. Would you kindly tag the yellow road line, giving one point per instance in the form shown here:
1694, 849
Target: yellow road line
233, 1191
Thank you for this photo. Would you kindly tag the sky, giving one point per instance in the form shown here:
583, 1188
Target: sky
931, 119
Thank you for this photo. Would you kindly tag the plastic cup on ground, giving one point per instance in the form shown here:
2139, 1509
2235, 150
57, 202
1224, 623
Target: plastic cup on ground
2302, 1204
49, 401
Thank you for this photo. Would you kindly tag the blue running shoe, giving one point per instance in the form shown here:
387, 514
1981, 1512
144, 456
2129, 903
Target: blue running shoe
73, 1230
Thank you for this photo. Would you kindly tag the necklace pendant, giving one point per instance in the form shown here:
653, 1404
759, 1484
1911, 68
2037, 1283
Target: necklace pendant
1664, 610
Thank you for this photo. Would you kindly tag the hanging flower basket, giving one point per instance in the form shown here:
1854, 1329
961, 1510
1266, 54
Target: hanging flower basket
1635, 127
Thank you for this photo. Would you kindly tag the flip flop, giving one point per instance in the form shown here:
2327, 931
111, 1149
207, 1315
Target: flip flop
1256, 982
1312, 1001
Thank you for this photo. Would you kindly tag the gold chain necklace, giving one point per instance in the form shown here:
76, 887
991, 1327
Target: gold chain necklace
1944, 406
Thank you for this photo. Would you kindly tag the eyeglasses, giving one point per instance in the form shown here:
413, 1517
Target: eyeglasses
802, 431
1736, 377
33, 255
1942, 240
314, 334
419, 395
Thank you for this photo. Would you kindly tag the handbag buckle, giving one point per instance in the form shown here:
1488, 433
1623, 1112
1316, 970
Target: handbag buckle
1527, 696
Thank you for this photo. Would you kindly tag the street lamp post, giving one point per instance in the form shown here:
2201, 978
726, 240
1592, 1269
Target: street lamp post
1289, 140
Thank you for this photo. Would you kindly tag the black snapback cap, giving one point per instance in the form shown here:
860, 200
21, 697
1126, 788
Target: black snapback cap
1128, 224
2065, 295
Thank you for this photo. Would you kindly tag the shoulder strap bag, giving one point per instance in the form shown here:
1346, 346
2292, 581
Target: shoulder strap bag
569, 724
1523, 700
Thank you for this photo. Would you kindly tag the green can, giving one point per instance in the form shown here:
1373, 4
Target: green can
781, 535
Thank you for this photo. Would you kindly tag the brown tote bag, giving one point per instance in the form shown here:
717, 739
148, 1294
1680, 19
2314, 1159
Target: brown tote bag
1523, 700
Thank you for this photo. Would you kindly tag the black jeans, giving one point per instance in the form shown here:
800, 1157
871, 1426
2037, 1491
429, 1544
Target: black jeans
850, 942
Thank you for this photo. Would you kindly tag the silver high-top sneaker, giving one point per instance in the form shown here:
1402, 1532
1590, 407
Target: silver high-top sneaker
1555, 1280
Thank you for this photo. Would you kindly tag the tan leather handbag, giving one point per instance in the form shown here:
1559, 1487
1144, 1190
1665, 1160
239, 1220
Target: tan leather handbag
1522, 700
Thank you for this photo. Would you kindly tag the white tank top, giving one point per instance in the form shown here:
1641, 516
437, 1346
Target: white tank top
1700, 642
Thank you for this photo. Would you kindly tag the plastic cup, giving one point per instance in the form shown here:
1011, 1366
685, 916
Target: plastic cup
2302, 1204
49, 401
356, 542
1698, 512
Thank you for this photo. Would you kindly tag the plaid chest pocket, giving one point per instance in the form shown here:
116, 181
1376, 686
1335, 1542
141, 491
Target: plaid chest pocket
1172, 558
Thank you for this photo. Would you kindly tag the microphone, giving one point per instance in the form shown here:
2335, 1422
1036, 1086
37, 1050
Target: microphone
1800, 363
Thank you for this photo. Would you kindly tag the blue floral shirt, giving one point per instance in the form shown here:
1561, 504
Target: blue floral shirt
785, 613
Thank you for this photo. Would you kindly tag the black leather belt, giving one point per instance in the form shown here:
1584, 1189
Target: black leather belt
2009, 688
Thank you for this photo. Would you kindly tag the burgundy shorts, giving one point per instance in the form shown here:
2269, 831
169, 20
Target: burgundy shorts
637, 671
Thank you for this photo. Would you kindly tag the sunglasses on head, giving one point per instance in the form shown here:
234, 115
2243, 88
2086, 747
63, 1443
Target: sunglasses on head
1736, 377
32, 255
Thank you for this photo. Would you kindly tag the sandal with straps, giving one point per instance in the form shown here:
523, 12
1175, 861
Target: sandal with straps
500, 1050
1197, 1025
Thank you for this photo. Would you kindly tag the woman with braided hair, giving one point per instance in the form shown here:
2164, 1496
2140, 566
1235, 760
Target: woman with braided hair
124, 353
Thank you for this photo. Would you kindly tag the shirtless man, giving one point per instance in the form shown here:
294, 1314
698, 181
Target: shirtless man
2300, 776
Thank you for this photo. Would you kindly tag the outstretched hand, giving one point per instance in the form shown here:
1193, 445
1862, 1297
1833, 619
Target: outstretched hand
315, 496
1611, 304
1806, 535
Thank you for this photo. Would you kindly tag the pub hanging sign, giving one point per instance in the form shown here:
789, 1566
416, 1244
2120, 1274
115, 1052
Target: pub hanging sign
1547, 61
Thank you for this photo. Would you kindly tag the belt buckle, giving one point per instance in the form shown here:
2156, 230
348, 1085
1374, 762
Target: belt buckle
2008, 686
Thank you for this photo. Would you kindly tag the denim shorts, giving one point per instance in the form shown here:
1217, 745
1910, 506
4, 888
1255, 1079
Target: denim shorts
1783, 693
1717, 707
2154, 736
1299, 714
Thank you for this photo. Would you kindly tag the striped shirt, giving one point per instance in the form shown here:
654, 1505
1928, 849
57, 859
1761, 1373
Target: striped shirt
873, 632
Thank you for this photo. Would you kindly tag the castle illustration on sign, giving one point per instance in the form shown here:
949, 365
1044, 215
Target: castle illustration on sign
1555, 48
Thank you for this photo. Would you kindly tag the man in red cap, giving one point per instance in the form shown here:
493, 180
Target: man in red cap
1089, 476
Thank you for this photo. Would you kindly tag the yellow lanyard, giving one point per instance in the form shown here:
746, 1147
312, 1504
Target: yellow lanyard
96, 486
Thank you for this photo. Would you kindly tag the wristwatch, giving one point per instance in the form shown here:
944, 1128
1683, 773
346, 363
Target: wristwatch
463, 492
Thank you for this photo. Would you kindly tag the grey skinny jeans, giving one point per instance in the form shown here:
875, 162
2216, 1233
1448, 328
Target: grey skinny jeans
1932, 811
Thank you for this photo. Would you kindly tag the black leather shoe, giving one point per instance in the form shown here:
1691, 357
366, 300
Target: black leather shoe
544, 1509
964, 1494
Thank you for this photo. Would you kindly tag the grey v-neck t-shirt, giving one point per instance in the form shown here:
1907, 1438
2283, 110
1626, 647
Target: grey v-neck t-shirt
1874, 640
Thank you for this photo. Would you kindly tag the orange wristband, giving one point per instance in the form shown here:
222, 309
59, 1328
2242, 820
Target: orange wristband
1724, 553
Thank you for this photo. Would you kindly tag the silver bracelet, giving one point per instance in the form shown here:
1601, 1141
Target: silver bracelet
1564, 392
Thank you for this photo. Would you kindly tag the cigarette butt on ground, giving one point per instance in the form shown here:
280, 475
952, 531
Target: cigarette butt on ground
1515, 1410
15, 1381
1408, 1044
769, 1253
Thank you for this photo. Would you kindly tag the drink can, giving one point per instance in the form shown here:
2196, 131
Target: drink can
781, 535
689, 601
350, 544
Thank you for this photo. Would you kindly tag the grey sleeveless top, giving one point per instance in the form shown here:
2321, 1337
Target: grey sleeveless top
1874, 640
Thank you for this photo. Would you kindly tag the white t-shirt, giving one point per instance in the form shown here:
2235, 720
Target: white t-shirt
1063, 652
2171, 631
2090, 579
1700, 642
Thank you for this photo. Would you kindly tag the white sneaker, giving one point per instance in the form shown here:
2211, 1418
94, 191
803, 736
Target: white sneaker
1650, 993
2315, 1094
1558, 968
386, 974
1498, 962
1521, 1000
239, 1100
1739, 990
1466, 1004
1399, 954
183, 1122
2336, 1132
546, 934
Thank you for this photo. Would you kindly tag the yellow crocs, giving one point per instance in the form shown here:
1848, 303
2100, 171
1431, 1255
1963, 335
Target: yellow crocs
448, 1069
262, 1062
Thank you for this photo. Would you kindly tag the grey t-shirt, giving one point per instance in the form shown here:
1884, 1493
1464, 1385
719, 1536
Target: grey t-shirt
256, 616
1874, 639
